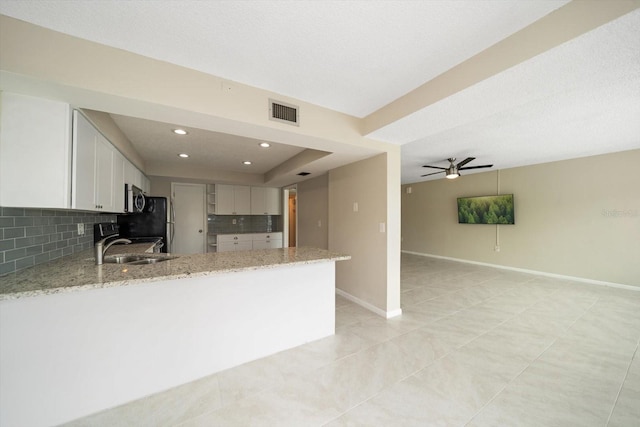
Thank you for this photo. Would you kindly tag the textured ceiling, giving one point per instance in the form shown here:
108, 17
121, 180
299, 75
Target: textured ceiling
349, 56
580, 98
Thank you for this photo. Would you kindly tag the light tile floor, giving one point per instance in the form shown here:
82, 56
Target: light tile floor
475, 346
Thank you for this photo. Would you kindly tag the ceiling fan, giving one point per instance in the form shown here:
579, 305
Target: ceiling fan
453, 171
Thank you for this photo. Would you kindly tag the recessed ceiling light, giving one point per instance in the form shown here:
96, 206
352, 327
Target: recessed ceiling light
180, 131
183, 155
265, 145
246, 162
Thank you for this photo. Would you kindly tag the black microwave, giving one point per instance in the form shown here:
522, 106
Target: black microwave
134, 200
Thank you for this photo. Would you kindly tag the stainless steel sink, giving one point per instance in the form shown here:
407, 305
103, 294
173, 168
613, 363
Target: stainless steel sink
136, 259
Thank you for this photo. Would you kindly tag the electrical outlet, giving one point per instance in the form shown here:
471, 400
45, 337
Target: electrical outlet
355, 206
80, 229
496, 248
319, 223
234, 221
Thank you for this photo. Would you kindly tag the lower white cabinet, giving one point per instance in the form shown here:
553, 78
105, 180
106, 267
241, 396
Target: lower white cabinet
267, 241
248, 241
234, 242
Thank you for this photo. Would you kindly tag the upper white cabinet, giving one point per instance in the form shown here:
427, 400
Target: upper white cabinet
233, 199
98, 169
265, 201
133, 176
146, 185
35, 152
118, 181
53, 157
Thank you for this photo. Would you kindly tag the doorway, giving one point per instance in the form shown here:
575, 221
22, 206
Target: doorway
188, 219
290, 223
293, 235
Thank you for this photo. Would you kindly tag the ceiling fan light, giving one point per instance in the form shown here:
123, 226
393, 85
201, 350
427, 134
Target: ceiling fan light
452, 173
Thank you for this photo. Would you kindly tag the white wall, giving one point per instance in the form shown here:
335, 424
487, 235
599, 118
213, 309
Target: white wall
68, 355
578, 218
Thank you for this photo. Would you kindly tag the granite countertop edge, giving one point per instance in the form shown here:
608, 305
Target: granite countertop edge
251, 262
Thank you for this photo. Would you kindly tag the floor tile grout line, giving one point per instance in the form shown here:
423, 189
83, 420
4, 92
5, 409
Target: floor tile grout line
615, 403
511, 381
557, 337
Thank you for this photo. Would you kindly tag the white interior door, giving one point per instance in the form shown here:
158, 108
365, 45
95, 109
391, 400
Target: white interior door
189, 228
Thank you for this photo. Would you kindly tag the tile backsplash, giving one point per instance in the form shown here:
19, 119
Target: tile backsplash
35, 236
224, 224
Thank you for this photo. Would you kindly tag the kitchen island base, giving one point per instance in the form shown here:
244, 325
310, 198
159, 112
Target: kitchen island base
68, 355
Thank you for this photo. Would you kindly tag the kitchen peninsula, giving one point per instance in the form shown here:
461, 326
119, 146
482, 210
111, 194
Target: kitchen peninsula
79, 338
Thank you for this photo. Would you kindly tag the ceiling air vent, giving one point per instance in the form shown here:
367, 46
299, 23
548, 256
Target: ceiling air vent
283, 112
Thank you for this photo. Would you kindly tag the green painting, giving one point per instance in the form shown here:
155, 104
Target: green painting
486, 210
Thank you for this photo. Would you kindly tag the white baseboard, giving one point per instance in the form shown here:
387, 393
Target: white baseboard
370, 307
536, 272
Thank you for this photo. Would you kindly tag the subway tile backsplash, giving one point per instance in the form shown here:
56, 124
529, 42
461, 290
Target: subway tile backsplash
34, 236
224, 224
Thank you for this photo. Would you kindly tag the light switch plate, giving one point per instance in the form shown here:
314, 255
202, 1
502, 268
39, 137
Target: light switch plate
355, 206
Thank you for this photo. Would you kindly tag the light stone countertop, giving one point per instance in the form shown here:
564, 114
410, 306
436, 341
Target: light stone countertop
79, 272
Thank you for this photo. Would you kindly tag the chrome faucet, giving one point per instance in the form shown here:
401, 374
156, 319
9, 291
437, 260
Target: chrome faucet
100, 248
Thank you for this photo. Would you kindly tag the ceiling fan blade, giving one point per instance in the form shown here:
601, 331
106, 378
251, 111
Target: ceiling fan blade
434, 167
476, 167
465, 161
434, 173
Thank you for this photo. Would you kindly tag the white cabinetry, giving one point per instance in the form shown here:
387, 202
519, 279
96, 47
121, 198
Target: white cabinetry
118, 181
248, 241
267, 240
235, 242
98, 170
133, 176
35, 152
146, 185
265, 201
233, 199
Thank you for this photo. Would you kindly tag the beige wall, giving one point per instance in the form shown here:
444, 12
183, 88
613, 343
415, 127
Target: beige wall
41, 62
313, 212
578, 218
365, 276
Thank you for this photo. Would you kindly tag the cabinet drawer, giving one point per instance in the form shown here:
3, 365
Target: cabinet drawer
222, 238
267, 236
